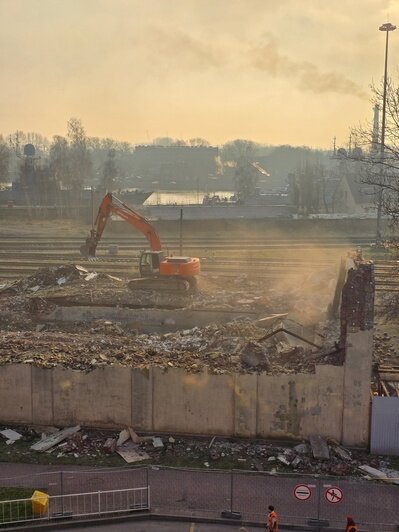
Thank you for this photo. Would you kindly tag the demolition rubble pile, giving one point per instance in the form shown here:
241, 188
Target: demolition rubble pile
235, 346
384, 348
26, 337
317, 456
23, 302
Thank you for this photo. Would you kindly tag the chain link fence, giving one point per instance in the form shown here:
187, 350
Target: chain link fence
299, 500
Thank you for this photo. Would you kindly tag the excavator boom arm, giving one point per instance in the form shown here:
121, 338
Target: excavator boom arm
111, 205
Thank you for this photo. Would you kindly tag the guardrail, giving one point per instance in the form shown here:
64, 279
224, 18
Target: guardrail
95, 503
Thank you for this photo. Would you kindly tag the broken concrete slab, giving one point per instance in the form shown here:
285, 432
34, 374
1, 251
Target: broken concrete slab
319, 447
132, 453
134, 437
342, 453
144, 320
11, 435
302, 448
157, 443
57, 437
377, 474
124, 435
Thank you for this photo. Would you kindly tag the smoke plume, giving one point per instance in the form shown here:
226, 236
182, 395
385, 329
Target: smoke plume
307, 76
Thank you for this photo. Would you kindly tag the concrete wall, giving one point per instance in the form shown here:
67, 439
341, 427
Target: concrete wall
146, 320
284, 406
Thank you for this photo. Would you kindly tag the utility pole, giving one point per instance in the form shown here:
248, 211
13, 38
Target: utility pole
387, 27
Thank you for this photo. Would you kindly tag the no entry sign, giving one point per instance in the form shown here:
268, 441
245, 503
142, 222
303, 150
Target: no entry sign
302, 492
334, 494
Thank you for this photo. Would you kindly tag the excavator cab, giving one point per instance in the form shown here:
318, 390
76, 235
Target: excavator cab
150, 263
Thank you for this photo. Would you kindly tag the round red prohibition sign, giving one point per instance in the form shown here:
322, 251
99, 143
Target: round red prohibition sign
334, 495
302, 492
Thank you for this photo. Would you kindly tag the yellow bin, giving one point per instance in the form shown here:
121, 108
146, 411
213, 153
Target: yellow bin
39, 503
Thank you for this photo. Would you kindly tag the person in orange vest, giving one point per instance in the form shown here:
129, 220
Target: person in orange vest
272, 520
350, 525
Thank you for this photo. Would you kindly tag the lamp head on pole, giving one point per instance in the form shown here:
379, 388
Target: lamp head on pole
387, 27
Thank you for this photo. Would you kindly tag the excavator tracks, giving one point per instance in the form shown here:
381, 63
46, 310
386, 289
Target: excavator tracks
169, 284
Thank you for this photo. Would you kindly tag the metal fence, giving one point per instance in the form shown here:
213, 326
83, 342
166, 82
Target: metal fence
96, 503
203, 493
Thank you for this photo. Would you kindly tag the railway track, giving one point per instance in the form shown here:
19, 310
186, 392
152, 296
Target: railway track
261, 257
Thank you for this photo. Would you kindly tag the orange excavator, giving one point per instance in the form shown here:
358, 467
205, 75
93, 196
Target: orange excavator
157, 271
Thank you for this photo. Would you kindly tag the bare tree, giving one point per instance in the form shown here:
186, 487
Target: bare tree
5, 155
239, 149
79, 155
59, 160
198, 141
110, 171
380, 161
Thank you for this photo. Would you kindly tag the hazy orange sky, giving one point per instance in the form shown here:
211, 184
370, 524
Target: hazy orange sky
274, 71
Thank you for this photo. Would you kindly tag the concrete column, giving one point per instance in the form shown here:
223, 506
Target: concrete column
357, 327
142, 399
245, 403
15, 393
357, 378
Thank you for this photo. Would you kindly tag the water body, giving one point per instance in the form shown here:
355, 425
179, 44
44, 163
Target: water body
182, 197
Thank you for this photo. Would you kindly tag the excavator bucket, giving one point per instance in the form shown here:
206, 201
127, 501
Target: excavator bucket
84, 250
88, 249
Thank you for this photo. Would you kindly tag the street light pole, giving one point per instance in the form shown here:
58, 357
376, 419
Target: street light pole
387, 27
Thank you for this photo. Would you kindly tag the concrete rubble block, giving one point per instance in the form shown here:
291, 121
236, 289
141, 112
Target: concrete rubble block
302, 448
109, 446
134, 437
157, 443
342, 453
284, 459
254, 355
296, 461
124, 435
319, 447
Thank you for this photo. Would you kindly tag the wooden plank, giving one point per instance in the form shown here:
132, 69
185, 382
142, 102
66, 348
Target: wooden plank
388, 376
385, 389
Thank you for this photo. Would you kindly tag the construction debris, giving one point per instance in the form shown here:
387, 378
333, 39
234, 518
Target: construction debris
54, 439
132, 453
377, 474
157, 443
319, 447
220, 348
252, 454
10, 435
124, 435
109, 446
